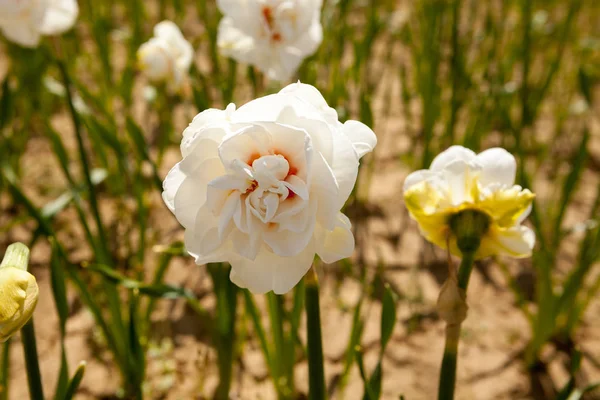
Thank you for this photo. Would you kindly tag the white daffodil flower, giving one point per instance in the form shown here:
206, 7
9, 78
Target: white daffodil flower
18, 291
261, 187
273, 35
167, 56
25, 21
459, 180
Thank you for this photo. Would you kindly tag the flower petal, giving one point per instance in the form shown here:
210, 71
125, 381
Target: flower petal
60, 16
334, 245
499, 166
508, 207
451, 154
270, 271
362, 137
22, 33
191, 195
516, 242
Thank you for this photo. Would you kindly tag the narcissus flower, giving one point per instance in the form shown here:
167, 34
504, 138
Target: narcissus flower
25, 21
273, 35
18, 291
167, 56
474, 197
262, 187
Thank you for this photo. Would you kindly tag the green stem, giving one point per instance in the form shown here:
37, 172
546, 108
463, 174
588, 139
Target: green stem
464, 272
224, 334
449, 361
4, 370
34, 378
316, 373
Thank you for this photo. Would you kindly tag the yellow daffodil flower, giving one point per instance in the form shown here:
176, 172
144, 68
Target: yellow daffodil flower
461, 185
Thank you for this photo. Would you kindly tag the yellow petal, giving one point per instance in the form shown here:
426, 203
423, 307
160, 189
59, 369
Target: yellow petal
18, 298
422, 199
423, 203
507, 206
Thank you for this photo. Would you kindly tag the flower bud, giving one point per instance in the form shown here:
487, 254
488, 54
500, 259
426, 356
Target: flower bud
469, 226
451, 304
19, 291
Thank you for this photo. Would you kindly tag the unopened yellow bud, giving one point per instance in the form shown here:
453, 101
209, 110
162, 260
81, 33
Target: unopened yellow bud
18, 291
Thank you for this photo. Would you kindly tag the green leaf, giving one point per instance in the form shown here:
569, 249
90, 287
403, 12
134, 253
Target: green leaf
252, 310
5, 102
59, 292
388, 316
353, 342
76, 381
369, 393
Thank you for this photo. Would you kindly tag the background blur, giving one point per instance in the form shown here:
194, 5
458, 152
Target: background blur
424, 74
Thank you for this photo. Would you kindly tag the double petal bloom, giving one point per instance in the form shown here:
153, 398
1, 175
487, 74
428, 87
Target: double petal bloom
25, 21
273, 35
167, 56
261, 187
459, 180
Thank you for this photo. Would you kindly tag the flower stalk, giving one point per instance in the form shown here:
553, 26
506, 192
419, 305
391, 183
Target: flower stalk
34, 378
468, 226
316, 373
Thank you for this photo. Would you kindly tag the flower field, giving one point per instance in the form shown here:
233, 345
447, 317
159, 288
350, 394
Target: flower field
300, 199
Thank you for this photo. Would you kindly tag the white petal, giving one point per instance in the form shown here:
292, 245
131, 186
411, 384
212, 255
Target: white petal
246, 245
246, 14
191, 194
199, 140
325, 190
230, 182
197, 243
270, 271
499, 166
205, 232
60, 16
288, 243
362, 137
334, 245
245, 145
181, 49
22, 33
234, 42
515, 242
320, 131
226, 218
308, 43
292, 143
155, 59
417, 177
344, 167
451, 154
171, 184
310, 95
459, 176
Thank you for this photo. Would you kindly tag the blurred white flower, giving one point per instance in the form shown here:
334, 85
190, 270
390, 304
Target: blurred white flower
273, 35
262, 186
25, 21
167, 56
459, 180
